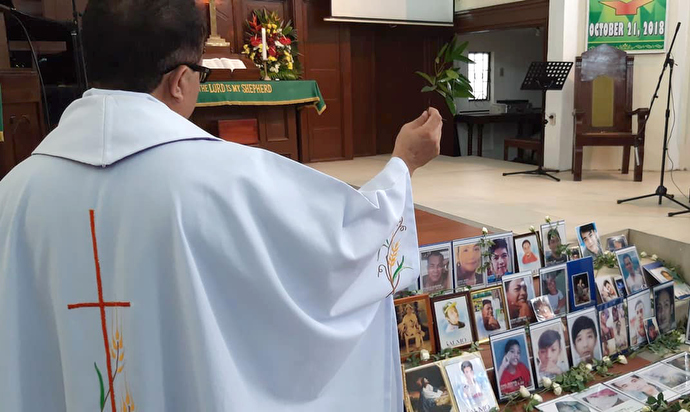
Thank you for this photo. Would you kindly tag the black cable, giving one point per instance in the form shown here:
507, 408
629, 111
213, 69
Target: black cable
46, 112
673, 126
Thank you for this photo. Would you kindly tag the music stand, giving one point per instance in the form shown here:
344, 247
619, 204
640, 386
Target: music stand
544, 76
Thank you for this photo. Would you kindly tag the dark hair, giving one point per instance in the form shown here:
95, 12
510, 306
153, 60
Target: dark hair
498, 244
487, 302
606, 281
510, 344
548, 338
434, 253
129, 44
582, 323
466, 364
551, 233
526, 241
629, 258
589, 227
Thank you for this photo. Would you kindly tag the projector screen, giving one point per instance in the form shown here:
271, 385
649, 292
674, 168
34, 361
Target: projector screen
435, 12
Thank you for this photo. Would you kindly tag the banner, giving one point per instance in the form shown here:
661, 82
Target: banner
630, 25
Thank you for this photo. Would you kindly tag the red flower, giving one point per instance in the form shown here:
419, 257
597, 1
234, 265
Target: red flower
272, 51
255, 41
285, 41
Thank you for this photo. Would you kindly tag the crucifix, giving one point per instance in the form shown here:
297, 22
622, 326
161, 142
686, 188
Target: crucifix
214, 39
101, 305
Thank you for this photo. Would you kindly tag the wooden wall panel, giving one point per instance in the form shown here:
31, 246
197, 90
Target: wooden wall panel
526, 13
363, 90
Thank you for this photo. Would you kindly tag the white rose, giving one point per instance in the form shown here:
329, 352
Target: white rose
682, 410
524, 392
557, 390
546, 382
655, 257
548, 219
622, 359
606, 360
485, 231
424, 355
537, 398
646, 409
588, 366
532, 229
643, 254
681, 338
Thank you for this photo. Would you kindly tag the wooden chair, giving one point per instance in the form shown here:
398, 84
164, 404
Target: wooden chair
603, 102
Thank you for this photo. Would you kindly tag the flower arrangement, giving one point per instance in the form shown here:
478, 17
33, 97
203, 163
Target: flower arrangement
281, 50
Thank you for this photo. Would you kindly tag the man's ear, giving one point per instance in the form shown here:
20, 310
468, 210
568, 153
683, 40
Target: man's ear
175, 83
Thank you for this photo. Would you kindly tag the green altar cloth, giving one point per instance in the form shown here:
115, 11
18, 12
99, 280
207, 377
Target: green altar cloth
261, 93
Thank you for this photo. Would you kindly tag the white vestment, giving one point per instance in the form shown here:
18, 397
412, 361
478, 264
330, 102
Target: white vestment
245, 281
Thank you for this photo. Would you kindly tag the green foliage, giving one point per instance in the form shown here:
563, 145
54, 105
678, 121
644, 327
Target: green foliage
607, 259
659, 404
447, 80
668, 342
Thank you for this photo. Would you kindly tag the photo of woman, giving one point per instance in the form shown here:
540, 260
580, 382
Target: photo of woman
453, 325
584, 336
511, 360
519, 290
553, 286
549, 350
426, 390
435, 268
664, 306
468, 262
470, 383
527, 250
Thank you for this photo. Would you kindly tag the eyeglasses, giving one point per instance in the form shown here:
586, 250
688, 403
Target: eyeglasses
204, 72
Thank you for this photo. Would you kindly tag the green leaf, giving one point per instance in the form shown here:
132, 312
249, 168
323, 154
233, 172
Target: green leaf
464, 59
100, 382
400, 267
451, 105
428, 78
450, 49
452, 74
441, 52
428, 89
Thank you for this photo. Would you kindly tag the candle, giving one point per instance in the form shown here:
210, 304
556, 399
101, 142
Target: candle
263, 42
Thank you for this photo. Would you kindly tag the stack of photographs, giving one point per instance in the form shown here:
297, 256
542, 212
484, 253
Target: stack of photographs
603, 398
642, 384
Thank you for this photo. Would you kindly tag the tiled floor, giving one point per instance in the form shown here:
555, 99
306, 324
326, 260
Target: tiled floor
472, 190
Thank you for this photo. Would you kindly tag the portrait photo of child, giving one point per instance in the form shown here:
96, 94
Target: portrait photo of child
453, 325
511, 362
470, 383
553, 284
583, 330
527, 252
549, 349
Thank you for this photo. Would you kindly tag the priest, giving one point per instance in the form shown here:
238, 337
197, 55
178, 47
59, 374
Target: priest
147, 265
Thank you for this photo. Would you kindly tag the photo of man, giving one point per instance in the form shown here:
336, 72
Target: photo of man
640, 388
615, 243
549, 349
553, 235
589, 240
631, 270
468, 262
519, 290
581, 289
584, 336
470, 383
606, 288
553, 286
489, 312
500, 257
639, 309
435, 261
664, 307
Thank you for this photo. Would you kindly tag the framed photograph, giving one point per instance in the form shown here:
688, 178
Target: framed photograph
608, 399
651, 329
640, 388
549, 349
501, 257
511, 362
519, 291
677, 380
583, 329
470, 384
631, 270
613, 328
527, 252
426, 389
588, 238
615, 243
553, 235
467, 255
565, 404
606, 287
664, 307
662, 275
620, 287
542, 308
488, 306
553, 284
415, 325
575, 253
639, 309
581, 287
435, 265
680, 361
452, 320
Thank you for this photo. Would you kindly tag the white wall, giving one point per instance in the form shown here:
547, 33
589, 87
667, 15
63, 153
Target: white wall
567, 25
512, 51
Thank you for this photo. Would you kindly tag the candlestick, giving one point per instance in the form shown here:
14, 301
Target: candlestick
264, 49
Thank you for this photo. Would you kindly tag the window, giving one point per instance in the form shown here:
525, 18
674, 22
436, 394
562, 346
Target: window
478, 74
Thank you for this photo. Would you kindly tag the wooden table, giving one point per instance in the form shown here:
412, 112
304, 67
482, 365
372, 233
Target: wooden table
484, 117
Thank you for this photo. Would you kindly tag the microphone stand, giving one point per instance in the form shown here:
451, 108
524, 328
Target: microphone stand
79, 62
661, 190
